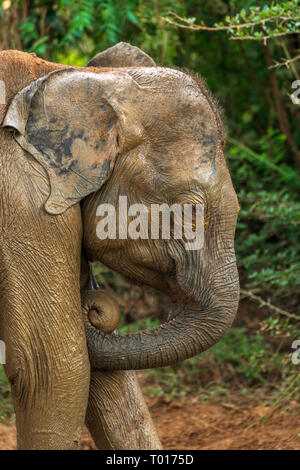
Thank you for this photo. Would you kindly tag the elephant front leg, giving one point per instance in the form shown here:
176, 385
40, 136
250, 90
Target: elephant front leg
41, 324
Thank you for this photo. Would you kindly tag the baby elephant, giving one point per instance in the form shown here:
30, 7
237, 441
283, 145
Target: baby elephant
116, 138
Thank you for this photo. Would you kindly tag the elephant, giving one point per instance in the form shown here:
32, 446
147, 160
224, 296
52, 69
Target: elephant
71, 140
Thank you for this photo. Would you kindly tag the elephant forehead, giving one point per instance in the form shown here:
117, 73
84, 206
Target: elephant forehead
82, 87
161, 76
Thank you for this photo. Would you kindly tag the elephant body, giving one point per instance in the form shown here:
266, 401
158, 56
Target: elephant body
72, 139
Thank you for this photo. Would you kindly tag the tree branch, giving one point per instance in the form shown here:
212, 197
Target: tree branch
264, 303
188, 24
285, 63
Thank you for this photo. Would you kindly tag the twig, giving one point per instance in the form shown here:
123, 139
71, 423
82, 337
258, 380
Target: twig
263, 38
232, 407
284, 394
286, 62
264, 303
288, 57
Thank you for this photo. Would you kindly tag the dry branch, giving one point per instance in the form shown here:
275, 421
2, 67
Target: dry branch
264, 303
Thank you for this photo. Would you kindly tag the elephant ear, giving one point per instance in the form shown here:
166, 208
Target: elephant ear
68, 122
122, 55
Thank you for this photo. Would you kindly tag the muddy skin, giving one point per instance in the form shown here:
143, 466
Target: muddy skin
150, 133
40, 306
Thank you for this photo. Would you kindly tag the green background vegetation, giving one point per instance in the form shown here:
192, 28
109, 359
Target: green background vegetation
263, 151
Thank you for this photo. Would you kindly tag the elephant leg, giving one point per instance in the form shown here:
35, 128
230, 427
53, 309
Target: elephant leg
47, 361
117, 415
40, 310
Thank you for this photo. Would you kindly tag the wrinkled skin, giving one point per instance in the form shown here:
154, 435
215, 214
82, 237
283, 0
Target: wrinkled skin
154, 135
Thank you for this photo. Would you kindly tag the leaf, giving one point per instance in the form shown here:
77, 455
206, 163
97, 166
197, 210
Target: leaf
132, 18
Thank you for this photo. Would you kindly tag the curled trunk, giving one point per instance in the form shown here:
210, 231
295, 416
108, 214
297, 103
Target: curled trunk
209, 312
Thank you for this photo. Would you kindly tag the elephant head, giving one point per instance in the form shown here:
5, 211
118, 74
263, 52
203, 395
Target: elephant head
154, 135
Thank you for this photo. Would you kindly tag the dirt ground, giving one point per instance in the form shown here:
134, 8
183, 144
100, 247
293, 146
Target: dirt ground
191, 425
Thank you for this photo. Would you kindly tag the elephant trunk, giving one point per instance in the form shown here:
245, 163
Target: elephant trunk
212, 299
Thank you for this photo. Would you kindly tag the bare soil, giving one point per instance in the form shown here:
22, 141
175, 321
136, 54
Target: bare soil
189, 424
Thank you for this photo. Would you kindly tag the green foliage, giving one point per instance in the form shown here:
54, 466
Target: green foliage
268, 239
267, 21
